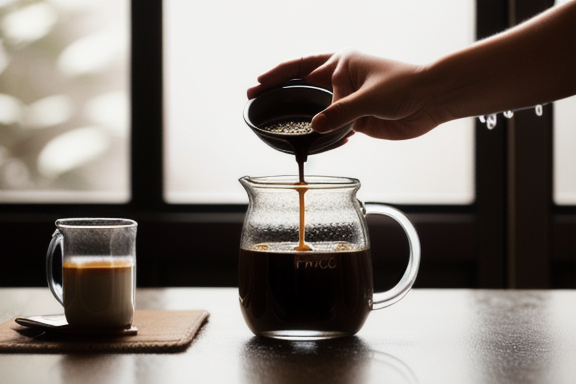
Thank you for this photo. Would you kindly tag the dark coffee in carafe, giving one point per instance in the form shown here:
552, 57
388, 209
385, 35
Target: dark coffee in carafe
327, 292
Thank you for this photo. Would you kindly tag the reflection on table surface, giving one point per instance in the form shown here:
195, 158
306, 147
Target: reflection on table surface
432, 336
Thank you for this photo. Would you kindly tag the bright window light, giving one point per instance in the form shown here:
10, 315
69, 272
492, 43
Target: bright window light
214, 50
64, 101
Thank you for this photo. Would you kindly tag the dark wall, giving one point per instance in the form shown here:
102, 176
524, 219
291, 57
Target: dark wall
202, 250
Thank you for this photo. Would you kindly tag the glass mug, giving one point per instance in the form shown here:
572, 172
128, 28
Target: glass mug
98, 287
322, 288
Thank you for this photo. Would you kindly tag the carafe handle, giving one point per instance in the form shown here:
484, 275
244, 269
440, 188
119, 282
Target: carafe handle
395, 294
55, 288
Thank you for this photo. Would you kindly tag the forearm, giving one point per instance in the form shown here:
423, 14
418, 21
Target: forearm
531, 64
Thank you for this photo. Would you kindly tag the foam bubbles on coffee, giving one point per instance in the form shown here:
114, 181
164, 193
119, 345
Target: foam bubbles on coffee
289, 247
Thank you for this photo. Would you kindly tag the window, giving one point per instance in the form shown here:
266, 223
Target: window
488, 223
564, 175
214, 50
64, 101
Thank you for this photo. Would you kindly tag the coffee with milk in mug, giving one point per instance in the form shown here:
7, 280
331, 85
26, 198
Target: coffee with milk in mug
99, 292
98, 286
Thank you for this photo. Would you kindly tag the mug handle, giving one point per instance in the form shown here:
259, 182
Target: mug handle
55, 288
395, 294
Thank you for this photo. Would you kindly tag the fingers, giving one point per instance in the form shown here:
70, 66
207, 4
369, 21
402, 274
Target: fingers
298, 68
338, 114
292, 69
348, 110
322, 75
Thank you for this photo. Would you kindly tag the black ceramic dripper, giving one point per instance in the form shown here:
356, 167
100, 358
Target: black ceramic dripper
293, 101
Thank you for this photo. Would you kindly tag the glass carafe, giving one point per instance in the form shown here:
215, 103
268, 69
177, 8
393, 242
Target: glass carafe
312, 281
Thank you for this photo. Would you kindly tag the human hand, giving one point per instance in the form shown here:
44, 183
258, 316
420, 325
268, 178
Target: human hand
383, 98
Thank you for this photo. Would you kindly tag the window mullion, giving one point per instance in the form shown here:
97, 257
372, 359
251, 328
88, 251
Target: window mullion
490, 170
146, 122
529, 183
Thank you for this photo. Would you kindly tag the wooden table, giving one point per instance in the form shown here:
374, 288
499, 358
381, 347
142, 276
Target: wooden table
431, 336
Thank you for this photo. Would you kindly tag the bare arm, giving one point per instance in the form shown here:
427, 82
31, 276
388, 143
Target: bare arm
532, 63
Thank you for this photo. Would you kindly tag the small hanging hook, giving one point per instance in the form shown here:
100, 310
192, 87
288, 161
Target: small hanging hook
490, 120
491, 123
538, 110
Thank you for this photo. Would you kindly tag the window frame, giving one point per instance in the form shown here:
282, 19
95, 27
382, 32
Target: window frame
493, 229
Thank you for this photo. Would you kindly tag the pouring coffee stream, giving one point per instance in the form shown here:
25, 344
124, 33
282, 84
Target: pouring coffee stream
282, 117
299, 134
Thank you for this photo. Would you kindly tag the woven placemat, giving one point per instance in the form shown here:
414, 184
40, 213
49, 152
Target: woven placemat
158, 332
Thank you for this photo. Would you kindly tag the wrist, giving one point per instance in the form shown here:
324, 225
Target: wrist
433, 89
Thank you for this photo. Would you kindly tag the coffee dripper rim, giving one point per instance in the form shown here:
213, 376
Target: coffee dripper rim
294, 83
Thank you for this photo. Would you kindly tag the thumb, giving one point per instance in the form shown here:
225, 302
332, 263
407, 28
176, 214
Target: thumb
338, 114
